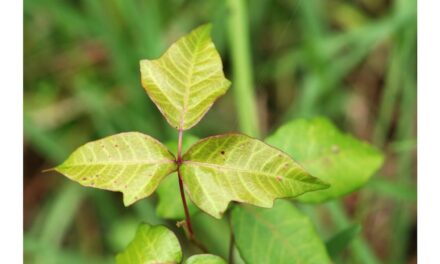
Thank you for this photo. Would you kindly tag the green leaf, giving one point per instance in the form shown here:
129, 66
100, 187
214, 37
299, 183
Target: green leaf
132, 163
235, 167
157, 245
187, 79
336, 244
151, 245
278, 235
205, 259
339, 159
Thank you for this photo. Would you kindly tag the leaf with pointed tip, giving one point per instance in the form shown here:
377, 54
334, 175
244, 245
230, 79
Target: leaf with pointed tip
205, 259
281, 235
235, 167
151, 245
187, 79
339, 159
132, 163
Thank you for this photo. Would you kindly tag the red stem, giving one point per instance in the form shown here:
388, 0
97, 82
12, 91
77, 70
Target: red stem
182, 192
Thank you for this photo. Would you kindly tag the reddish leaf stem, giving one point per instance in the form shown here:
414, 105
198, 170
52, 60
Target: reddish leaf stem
182, 192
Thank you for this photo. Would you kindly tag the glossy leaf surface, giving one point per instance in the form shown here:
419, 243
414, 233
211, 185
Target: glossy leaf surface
132, 163
151, 245
187, 79
205, 259
337, 158
235, 167
281, 235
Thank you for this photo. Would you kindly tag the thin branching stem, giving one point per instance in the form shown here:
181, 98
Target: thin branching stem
182, 192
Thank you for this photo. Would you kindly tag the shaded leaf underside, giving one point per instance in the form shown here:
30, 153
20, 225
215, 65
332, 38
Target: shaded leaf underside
235, 167
187, 79
132, 163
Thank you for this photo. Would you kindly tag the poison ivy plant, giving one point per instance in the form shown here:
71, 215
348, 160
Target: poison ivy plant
235, 167
278, 235
157, 244
132, 163
184, 83
337, 158
187, 79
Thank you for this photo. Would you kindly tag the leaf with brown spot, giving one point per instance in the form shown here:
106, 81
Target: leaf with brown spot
137, 166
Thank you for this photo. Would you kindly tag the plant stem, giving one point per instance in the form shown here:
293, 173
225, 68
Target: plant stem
242, 68
182, 192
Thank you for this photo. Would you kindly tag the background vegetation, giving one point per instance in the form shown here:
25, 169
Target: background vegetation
352, 61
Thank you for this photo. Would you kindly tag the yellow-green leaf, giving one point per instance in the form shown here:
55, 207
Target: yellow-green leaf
205, 259
132, 163
337, 158
281, 235
151, 245
187, 79
235, 167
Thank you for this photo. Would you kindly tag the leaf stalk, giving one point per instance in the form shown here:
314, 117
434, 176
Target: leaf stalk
182, 192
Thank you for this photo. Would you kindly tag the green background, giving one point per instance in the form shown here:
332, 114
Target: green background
352, 61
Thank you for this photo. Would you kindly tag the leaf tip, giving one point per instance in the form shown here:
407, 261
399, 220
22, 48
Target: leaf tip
322, 185
49, 170
207, 28
127, 200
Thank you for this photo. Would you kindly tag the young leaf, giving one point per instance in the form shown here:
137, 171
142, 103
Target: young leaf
205, 259
278, 235
132, 163
337, 158
151, 245
187, 79
235, 167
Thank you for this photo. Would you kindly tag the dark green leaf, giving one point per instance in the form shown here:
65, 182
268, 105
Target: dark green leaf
336, 244
281, 235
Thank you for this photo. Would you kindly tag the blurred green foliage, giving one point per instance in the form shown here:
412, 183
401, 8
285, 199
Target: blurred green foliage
352, 61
